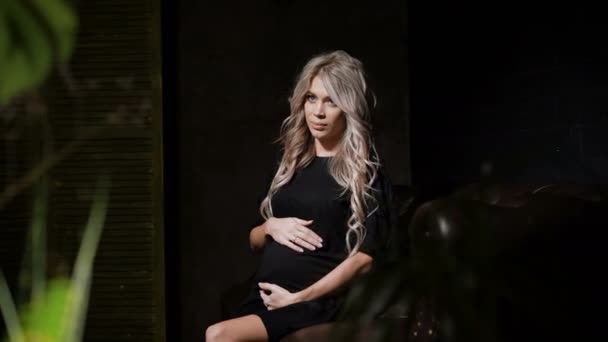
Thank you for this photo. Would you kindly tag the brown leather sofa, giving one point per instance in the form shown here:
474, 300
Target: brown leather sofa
488, 262
513, 262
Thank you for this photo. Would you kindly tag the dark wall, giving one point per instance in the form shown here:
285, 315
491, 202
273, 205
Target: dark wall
515, 91
235, 64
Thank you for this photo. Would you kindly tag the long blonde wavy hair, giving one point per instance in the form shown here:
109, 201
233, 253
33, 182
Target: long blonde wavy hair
355, 165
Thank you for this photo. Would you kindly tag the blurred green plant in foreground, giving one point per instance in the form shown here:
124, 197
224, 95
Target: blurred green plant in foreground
35, 36
57, 311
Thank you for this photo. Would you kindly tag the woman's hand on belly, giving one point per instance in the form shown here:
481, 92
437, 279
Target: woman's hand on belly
293, 233
278, 297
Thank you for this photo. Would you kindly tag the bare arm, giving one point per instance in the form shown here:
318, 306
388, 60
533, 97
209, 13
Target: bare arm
346, 271
257, 237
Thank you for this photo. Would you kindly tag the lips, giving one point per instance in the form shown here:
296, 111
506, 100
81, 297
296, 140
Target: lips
318, 126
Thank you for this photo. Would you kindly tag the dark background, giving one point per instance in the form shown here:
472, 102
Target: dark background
513, 91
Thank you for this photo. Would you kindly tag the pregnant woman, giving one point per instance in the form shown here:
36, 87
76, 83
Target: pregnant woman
325, 216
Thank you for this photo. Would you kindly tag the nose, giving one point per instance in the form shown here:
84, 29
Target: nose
318, 110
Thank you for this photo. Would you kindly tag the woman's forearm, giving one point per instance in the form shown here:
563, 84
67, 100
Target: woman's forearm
257, 237
338, 277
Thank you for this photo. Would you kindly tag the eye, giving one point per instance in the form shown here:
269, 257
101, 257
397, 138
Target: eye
310, 98
331, 102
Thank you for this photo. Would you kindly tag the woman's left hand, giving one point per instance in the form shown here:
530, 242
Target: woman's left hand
278, 297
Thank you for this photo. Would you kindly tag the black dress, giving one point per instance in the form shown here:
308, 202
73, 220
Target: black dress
313, 194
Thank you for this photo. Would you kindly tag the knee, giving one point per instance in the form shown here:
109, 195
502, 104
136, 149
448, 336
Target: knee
215, 333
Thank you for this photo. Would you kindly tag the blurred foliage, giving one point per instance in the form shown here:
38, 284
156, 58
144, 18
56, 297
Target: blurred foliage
34, 36
43, 319
57, 311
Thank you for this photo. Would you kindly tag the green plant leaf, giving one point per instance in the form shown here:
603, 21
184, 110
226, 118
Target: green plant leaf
58, 313
28, 58
9, 312
4, 36
62, 22
27, 44
83, 269
38, 235
45, 317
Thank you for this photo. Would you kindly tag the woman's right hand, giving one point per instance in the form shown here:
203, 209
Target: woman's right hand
293, 233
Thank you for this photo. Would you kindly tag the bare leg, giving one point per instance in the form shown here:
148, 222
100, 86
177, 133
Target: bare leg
247, 328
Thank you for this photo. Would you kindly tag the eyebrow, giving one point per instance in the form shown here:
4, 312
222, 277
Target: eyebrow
308, 92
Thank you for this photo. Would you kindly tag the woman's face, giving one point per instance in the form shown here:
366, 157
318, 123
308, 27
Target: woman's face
325, 120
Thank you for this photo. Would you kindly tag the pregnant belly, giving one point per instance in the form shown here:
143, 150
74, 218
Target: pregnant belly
293, 270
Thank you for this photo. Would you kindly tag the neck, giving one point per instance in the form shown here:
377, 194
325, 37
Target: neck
326, 148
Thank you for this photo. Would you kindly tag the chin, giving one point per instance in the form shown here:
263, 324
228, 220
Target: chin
317, 135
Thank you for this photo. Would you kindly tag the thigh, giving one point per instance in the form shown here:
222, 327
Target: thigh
246, 328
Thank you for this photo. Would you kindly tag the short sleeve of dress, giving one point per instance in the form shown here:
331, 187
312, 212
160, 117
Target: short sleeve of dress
379, 224
264, 190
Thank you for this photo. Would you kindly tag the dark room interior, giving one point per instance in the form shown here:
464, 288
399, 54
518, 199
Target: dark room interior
161, 118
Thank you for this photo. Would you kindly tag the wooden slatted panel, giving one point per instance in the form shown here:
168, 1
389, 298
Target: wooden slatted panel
15, 215
108, 95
